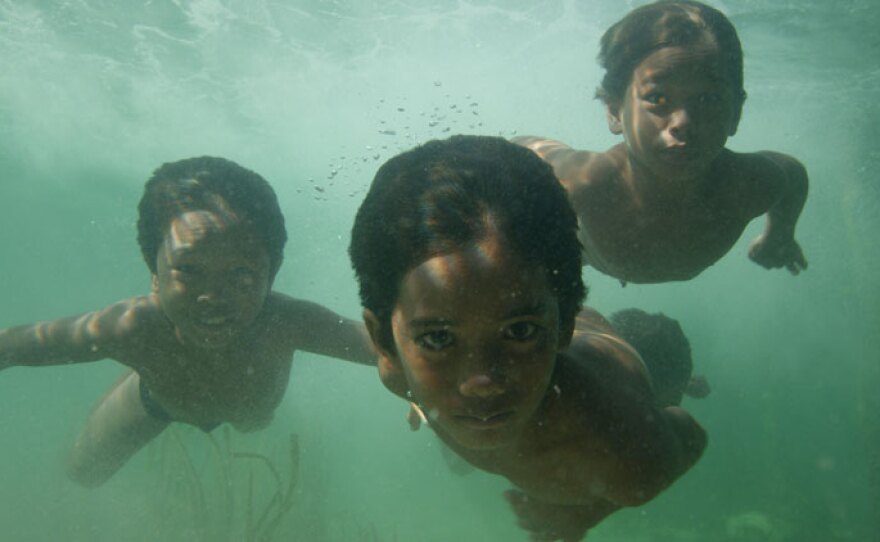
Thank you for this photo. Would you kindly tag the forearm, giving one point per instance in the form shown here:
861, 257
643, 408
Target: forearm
31, 345
76, 339
783, 215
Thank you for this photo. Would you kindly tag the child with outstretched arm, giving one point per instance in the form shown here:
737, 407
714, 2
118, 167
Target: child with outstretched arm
671, 199
212, 342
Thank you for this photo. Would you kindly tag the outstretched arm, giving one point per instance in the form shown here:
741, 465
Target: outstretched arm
87, 337
776, 246
322, 331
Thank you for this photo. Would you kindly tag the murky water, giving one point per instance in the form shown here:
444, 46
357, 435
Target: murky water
315, 95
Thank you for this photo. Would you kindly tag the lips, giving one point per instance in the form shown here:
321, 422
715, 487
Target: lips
680, 154
214, 320
485, 421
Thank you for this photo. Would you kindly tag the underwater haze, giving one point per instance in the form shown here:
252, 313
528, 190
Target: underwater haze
315, 95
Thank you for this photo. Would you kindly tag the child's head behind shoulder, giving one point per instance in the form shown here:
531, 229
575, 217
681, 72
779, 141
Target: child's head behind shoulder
666, 23
443, 195
212, 184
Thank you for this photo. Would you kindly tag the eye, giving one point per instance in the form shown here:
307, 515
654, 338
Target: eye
244, 278
435, 340
710, 98
656, 98
185, 269
521, 331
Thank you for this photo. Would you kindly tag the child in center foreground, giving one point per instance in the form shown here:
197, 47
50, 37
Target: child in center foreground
212, 342
671, 199
468, 262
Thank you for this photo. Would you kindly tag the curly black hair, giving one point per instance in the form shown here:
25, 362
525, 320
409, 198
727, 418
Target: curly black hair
208, 182
666, 23
437, 197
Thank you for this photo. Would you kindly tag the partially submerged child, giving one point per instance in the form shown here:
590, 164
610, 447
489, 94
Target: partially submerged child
671, 200
468, 262
663, 347
212, 342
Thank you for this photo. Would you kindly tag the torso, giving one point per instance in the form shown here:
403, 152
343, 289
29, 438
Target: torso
653, 241
242, 385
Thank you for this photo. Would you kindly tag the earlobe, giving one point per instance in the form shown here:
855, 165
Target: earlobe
390, 370
612, 112
154, 283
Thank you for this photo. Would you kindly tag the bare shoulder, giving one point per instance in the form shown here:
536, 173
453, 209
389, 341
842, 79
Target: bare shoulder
601, 355
758, 179
130, 323
591, 178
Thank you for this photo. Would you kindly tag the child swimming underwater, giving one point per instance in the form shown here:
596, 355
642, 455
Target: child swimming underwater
212, 342
671, 199
469, 267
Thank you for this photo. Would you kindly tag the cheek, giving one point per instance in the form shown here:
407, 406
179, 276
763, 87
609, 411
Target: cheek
429, 383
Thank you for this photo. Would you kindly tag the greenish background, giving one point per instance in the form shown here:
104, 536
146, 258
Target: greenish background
95, 94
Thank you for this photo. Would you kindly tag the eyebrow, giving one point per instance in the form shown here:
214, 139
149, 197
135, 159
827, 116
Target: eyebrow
661, 75
527, 310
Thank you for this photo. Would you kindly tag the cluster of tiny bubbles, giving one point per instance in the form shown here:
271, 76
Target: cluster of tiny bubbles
398, 127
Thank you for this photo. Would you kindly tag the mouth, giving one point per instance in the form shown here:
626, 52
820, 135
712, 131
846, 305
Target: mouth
215, 320
483, 422
680, 154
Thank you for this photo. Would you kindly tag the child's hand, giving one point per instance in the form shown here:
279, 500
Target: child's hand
773, 252
549, 522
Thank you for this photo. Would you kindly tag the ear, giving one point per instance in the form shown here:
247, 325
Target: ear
390, 368
737, 115
612, 112
154, 283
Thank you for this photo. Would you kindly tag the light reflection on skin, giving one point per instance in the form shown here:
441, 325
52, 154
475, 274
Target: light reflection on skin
477, 342
212, 276
675, 117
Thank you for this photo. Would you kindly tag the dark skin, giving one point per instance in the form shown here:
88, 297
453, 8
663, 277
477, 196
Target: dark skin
212, 342
577, 433
671, 200
567, 415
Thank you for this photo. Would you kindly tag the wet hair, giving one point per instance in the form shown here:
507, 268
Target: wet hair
444, 195
662, 344
666, 23
209, 183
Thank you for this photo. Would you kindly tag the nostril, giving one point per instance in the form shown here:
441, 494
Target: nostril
480, 385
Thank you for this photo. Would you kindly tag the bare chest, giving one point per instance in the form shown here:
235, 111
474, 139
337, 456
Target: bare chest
659, 244
243, 388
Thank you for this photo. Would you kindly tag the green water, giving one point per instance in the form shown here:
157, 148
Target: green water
95, 94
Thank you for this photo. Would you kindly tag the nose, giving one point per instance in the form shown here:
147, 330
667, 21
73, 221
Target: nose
680, 124
480, 386
215, 293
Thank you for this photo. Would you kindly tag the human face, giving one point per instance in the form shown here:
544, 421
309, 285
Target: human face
678, 111
476, 334
212, 277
